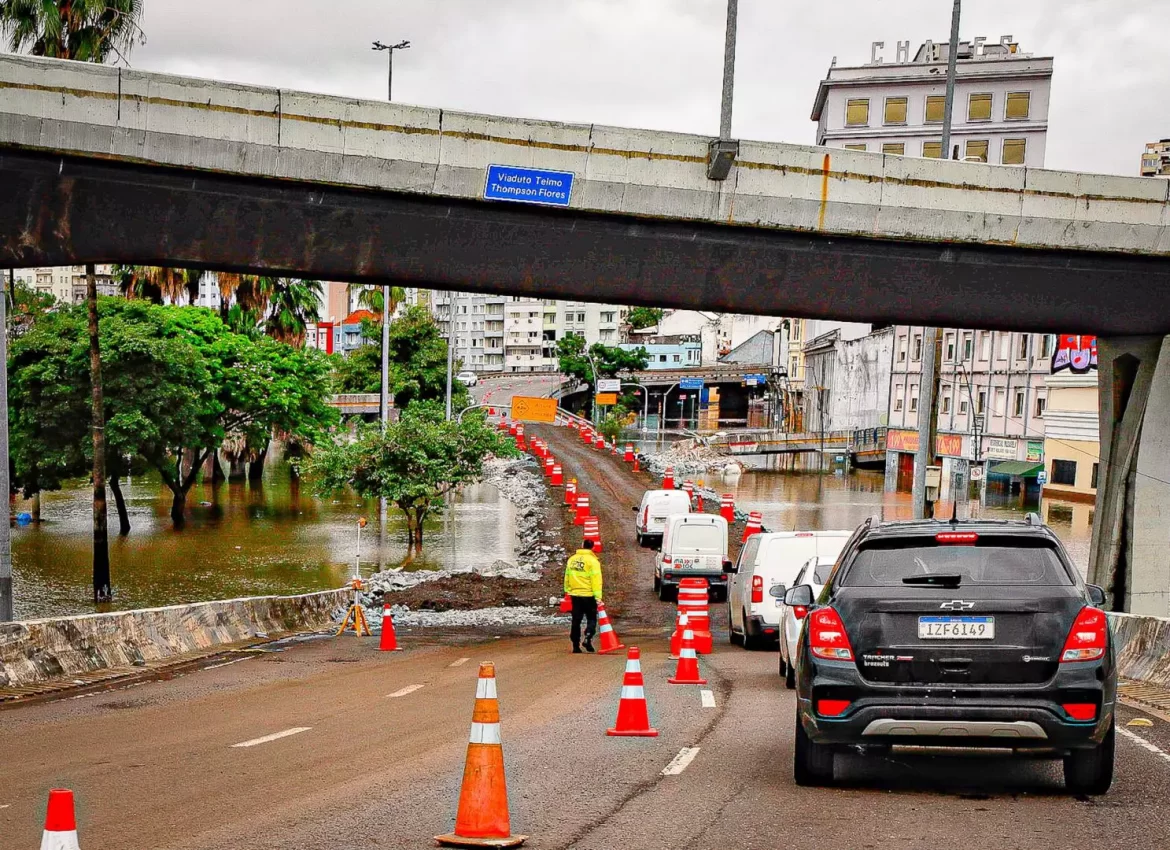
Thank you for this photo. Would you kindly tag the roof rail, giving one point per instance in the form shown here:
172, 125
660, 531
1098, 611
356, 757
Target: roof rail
1033, 518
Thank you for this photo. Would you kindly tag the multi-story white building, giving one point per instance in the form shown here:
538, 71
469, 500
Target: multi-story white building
1000, 112
67, 283
1156, 159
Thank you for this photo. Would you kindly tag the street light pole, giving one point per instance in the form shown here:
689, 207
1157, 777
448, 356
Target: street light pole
952, 70
728, 69
390, 48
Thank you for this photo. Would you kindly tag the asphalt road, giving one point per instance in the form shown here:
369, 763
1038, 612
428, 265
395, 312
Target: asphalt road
380, 754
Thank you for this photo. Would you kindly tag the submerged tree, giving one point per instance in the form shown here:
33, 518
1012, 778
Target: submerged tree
414, 464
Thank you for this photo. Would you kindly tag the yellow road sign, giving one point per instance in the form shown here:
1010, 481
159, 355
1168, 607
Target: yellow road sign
529, 409
604, 399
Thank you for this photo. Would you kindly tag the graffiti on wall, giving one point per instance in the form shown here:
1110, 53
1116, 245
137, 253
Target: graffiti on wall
1076, 353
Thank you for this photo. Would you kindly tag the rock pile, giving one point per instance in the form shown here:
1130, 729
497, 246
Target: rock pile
525, 616
690, 457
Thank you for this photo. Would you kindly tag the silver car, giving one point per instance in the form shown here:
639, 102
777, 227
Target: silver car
814, 573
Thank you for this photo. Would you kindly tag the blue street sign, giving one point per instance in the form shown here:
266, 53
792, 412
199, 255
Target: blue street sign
690, 384
754, 380
528, 185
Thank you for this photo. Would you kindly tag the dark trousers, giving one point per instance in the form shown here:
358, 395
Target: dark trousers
583, 606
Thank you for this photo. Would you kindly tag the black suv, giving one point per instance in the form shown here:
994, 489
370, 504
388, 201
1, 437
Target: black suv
957, 634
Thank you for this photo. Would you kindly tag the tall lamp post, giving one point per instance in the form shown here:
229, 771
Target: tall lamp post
390, 48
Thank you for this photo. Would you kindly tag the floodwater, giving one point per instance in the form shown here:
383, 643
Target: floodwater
240, 539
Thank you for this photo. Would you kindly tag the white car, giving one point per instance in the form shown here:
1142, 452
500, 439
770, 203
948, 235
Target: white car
814, 573
469, 379
768, 562
650, 520
693, 546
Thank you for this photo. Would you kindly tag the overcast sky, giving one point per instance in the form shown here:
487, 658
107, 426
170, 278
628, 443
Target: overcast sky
657, 63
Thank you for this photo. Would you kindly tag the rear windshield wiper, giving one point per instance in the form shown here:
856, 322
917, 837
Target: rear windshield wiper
940, 579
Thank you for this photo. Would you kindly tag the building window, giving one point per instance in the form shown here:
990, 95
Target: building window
1046, 345
917, 350
1093, 480
984, 345
1041, 404
981, 402
1022, 350
898, 148
936, 106
857, 112
1064, 472
977, 149
914, 398
895, 110
677, 358
1017, 106
932, 150
950, 348
945, 402
860, 147
898, 398
902, 349
1018, 404
1005, 341
979, 107
661, 358
1000, 401
1013, 151
968, 345
580, 317
962, 406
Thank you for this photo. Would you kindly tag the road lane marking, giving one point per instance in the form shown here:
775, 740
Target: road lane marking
458, 662
679, 763
409, 689
1142, 742
708, 698
227, 663
275, 736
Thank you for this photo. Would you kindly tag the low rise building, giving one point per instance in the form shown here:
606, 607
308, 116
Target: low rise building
67, 284
847, 381
669, 352
1156, 159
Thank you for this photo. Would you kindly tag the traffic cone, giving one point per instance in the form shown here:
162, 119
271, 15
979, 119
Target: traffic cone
699, 497
582, 508
687, 672
482, 818
692, 601
558, 476
605, 633
636, 467
593, 532
548, 466
571, 493
676, 635
727, 508
689, 489
389, 639
754, 525
60, 824
628, 454
633, 717
668, 479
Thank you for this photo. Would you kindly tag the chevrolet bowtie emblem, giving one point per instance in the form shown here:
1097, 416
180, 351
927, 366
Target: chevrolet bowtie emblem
957, 605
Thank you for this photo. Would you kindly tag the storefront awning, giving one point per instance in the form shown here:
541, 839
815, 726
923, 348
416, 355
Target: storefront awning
1018, 468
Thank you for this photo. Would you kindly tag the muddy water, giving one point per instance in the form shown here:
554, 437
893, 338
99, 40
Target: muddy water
240, 539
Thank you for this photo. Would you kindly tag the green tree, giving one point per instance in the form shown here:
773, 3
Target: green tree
28, 307
372, 297
644, 317
159, 284
414, 464
87, 31
293, 305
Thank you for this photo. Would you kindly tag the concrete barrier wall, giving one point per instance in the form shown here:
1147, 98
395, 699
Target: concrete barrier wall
1143, 647
36, 651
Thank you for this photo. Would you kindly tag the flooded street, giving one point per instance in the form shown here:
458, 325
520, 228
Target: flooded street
240, 539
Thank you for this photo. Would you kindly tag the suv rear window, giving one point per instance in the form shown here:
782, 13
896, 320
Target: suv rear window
990, 562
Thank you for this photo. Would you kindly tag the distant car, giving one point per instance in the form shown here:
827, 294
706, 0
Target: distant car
657, 505
814, 573
693, 546
468, 378
961, 634
765, 562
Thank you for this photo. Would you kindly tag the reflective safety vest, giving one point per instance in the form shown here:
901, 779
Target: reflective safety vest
583, 575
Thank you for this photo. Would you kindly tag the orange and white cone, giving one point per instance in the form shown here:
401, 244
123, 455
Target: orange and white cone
687, 672
605, 633
60, 824
754, 525
633, 717
482, 819
389, 641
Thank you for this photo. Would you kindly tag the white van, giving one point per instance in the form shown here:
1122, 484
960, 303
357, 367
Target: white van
657, 505
765, 562
693, 546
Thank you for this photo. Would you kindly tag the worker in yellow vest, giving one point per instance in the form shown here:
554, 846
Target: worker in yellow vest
583, 586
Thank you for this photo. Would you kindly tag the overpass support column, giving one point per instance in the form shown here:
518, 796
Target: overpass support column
1130, 555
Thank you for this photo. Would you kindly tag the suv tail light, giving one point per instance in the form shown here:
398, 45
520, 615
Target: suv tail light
832, 707
667, 560
757, 589
1088, 638
957, 538
1082, 711
826, 636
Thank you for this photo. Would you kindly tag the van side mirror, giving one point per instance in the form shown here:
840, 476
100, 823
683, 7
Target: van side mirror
729, 567
1096, 594
777, 591
634, 509
799, 596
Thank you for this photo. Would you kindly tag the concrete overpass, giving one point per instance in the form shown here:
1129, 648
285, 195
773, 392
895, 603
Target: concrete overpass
114, 165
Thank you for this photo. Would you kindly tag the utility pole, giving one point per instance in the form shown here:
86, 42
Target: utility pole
6, 603
384, 401
452, 339
952, 70
926, 425
390, 48
729, 69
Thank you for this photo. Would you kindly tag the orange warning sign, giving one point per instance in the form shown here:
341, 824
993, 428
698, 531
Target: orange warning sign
604, 399
531, 409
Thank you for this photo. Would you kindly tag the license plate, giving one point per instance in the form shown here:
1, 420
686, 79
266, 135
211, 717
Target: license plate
960, 628
658, 519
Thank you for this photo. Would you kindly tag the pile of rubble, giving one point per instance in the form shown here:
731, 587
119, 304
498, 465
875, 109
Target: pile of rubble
481, 617
690, 458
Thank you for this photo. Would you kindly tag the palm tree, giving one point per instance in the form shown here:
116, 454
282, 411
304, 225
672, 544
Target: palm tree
293, 305
87, 31
159, 283
372, 297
